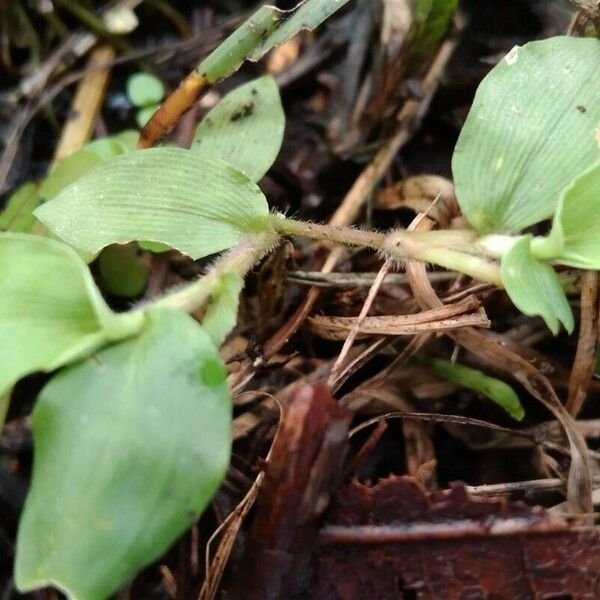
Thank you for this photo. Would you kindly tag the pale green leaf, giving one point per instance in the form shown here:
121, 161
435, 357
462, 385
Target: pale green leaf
17, 215
168, 195
221, 315
245, 129
128, 138
496, 390
154, 247
144, 89
534, 287
130, 447
105, 147
67, 171
575, 236
122, 271
531, 130
50, 309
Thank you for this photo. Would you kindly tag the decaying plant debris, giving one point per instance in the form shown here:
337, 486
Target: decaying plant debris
349, 434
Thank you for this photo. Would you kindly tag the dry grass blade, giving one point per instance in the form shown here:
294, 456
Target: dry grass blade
215, 565
466, 313
579, 488
585, 358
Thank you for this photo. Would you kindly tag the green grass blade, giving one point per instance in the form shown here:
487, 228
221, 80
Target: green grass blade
496, 390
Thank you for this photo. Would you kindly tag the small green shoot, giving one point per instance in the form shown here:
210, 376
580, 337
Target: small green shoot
145, 91
497, 391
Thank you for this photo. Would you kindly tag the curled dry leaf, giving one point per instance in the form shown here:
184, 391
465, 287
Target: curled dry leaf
418, 193
466, 313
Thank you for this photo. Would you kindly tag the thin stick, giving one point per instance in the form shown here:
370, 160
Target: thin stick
385, 269
86, 104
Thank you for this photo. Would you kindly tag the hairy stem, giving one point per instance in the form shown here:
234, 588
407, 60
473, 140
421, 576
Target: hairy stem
238, 260
328, 233
455, 250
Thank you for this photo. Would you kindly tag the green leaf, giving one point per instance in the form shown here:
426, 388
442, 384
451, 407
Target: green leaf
50, 309
144, 89
17, 215
534, 287
497, 391
128, 139
105, 147
68, 171
154, 247
574, 239
531, 130
245, 129
130, 447
114, 145
122, 272
168, 195
221, 315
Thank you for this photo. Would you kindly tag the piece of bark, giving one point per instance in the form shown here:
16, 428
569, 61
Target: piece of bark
394, 540
301, 474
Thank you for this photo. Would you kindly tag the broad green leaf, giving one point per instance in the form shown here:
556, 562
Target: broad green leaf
168, 195
245, 129
144, 89
532, 129
18, 213
575, 236
497, 391
130, 446
50, 309
221, 315
68, 171
534, 287
122, 272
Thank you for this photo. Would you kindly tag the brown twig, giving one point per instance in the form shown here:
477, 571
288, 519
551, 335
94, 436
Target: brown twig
585, 357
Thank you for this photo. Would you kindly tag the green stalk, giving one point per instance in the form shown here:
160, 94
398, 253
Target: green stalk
195, 295
453, 250
328, 233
